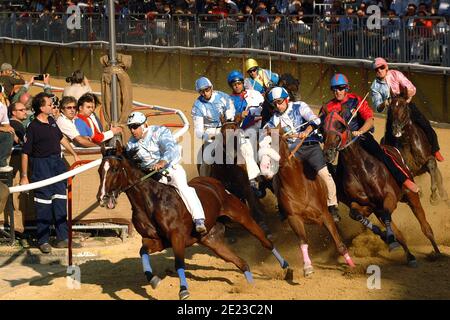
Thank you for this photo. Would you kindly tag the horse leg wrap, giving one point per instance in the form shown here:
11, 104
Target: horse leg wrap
145, 258
390, 237
248, 276
182, 276
349, 260
355, 215
283, 263
306, 260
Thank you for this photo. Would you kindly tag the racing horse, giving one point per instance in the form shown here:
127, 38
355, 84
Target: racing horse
303, 199
413, 144
162, 219
365, 185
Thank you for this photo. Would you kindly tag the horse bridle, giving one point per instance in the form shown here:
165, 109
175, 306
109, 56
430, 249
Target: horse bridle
406, 119
120, 158
347, 132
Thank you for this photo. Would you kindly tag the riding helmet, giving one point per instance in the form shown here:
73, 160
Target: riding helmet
250, 63
277, 93
234, 76
136, 117
202, 83
338, 80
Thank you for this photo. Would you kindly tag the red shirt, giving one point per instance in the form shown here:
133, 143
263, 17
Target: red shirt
347, 106
97, 136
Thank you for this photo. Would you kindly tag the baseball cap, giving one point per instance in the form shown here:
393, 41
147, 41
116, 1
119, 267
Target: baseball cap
379, 62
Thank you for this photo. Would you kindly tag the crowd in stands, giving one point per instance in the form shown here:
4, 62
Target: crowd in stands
225, 7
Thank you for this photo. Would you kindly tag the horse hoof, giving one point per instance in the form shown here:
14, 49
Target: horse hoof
184, 294
393, 246
154, 282
413, 263
308, 272
289, 276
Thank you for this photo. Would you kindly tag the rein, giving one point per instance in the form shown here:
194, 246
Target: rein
135, 183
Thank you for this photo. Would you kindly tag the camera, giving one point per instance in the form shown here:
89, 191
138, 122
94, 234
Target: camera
39, 77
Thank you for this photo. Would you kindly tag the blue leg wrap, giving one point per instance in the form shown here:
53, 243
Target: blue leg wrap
248, 276
182, 277
283, 263
145, 258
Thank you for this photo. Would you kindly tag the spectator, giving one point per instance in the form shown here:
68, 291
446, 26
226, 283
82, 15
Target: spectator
93, 116
6, 139
43, 148
79, 85
9, 78
66, 123
399, 6
444, 8
17, 114
86, 126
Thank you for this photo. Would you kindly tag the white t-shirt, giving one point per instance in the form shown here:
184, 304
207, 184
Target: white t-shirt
67, 127
76, 90
3, 114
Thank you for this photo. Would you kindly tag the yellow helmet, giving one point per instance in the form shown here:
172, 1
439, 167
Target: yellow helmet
250, 63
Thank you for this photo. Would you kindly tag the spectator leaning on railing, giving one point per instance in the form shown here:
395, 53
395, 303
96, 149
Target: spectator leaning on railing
9, 78
86, 126
6, 139
66, 123
17, 114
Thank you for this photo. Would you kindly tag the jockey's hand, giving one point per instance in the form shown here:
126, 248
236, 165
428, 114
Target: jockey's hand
409, 100
302, 135
357, 133
159, 165
244, 113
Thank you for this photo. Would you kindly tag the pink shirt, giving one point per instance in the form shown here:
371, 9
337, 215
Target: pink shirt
395, 79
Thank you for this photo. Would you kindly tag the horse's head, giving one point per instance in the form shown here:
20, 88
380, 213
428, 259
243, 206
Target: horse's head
229, 128
291, 84
336, 133
399, 111
113, 177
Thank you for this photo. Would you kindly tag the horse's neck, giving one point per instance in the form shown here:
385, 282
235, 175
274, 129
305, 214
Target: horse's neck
353, 152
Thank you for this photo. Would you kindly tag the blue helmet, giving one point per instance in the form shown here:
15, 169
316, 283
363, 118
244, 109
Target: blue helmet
202, 83
338, 80
234, 76
277, 93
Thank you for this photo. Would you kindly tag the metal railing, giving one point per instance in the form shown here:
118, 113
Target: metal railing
407, 40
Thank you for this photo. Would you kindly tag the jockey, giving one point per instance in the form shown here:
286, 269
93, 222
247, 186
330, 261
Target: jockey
391, 80
261, 80
156, 150
299, 120
346, 103
247, 103
206, 113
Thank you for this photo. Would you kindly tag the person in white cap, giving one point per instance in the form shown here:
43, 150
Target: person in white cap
157, 149
392, 80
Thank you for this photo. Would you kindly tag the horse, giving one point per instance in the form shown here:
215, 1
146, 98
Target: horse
160, 216
303, 199
365, 185
413, 145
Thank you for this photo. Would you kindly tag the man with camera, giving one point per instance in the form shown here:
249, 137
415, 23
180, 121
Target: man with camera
9, 78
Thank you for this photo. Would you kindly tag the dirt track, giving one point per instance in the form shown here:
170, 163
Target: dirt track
118, 274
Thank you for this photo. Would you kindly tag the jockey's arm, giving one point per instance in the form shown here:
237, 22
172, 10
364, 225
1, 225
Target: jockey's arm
404, 82
368, 124
169, 149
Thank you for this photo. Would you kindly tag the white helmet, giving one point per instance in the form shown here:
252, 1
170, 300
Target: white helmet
136, 117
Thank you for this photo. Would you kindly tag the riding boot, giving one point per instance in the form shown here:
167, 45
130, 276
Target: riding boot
419, 119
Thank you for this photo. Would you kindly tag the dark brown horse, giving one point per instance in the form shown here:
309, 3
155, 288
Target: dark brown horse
233, 173
366, 186
413, 145
304, 199
161, 217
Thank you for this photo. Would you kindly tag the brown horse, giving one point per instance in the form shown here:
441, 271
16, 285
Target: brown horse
304, 200
162, 219
365, 185
413, 145
233, 174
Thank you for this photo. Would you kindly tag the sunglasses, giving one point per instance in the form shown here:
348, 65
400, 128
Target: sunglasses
203, 91
134, 126
278, 101
70, 107
380, 68
236, 82
339, 88
252, 70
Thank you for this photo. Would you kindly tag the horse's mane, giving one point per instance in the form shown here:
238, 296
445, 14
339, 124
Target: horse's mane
127, 154
289, 79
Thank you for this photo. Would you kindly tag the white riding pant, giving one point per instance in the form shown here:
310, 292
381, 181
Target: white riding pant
178, 179
248, 153
331, 186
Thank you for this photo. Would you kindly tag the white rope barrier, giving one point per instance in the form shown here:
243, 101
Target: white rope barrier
23, 188
63, 176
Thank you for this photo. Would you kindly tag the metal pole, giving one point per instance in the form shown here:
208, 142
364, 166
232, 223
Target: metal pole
113, 62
